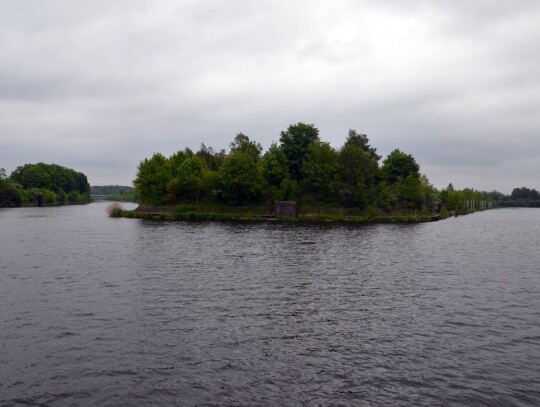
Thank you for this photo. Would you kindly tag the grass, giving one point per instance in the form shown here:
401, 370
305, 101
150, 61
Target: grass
260, 213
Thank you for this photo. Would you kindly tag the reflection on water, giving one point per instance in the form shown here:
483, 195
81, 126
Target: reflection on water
102, 311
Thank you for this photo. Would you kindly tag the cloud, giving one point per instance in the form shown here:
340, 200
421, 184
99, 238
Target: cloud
101, 85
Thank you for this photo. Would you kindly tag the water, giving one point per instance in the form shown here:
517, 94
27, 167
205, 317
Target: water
113, 312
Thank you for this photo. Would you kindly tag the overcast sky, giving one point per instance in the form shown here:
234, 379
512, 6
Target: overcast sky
98, 86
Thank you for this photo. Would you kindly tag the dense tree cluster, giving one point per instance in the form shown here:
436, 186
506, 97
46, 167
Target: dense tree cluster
301, 167
520, 197
55, 184
525, 194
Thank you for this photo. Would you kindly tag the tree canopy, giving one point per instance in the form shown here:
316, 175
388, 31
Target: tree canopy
56, 184
299, 167
244, 144
295, 142
153, 176
398, 166
241, 179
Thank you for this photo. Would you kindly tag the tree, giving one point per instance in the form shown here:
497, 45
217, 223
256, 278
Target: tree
62, 179
295, 142
275, 167
524, 193
359, 170
32, 176
411, 193
74, 197
361, 141
3, 174
52, 177
153, 176
398, 166
243, 143
240, 179
321, 170
10, 194
176, 160
432, 197
190, 178
212, 159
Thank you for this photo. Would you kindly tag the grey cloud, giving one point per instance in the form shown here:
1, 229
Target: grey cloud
105, 84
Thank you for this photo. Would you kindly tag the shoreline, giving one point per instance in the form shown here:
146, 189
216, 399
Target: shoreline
255, 214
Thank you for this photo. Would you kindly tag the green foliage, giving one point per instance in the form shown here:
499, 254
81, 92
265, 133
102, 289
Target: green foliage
461, 202
321, 170
107, 189
411, 193
361, 141
431, 196
240, 178
212, 159
193, 166
295, 142
32, 176
189, 182
359, 171
32, 195
286, 191
153, 176
386, 197
275, 166
52, 177
525, 194
300, 168
63, 180
52, 182
118, 193
10, 194
49, 198
275, 170
398, 166
74, 198
244, 144
62, 197
176, 160
520, 197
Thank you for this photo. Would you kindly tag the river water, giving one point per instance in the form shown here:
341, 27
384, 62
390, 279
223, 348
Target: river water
114, 312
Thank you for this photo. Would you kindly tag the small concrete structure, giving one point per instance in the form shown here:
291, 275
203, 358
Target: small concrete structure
285, 208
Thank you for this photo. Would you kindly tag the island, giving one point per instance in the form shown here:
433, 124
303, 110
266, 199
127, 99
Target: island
302, 178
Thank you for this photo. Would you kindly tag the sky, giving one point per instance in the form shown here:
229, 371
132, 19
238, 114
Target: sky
100, 85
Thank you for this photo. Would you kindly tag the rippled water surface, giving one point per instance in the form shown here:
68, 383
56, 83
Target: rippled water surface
101, 311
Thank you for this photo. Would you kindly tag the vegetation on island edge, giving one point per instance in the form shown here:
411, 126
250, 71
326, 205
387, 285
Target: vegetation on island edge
45, 184
345, 183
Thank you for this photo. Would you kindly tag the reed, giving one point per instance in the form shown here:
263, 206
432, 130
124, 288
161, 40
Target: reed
115, 210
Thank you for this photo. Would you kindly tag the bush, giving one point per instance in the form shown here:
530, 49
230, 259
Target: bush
115, 210
10, 194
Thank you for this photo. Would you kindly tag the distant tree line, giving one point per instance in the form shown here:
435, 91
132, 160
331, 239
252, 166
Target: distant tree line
115, 192
301, 167
520, 197
56, 185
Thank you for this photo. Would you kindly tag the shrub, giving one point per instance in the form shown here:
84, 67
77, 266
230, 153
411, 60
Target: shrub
115, 210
